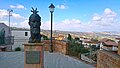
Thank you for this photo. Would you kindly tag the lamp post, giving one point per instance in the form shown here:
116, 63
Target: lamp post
9, 12
51, 7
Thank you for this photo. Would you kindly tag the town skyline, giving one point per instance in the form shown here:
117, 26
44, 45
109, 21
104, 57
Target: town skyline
81, 16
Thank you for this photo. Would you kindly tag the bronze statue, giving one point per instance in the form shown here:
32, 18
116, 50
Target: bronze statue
35, 23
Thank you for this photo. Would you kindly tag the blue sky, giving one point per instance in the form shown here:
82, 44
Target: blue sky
69, 15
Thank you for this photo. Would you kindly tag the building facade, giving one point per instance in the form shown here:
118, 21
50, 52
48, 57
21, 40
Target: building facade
6, 40
21, 36
108, 44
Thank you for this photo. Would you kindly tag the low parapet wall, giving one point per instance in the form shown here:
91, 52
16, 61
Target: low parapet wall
85, 58
119, 48
58, 46
107, 59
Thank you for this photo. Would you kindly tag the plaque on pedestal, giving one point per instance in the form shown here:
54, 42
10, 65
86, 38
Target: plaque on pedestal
32, 57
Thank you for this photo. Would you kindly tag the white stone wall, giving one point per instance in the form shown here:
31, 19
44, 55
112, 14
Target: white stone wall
101, 46
20, 38
114, 48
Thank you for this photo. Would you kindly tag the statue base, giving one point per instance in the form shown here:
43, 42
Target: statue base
34, 55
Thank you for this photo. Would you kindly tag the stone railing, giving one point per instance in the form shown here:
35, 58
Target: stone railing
85, 58
118, 48
58, 46
108, 59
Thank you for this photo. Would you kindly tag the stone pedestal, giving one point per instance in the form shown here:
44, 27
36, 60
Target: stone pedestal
34, 55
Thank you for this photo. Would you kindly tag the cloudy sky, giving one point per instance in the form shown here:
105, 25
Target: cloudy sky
69, 15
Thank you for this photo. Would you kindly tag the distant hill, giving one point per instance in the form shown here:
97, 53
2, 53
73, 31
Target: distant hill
15, 28
111, 34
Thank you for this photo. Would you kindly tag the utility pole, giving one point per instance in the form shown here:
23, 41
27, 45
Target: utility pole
9, 12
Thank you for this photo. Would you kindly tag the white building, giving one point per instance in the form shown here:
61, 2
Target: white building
6, 29
21, 36
6, 38
108, 44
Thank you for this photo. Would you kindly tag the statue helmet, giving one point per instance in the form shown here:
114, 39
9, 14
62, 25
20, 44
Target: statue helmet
34, 16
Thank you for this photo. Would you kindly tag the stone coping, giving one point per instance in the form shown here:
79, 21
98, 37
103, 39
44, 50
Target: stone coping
33, 44
111, 54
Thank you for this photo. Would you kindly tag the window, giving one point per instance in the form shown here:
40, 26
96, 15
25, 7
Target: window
26, 33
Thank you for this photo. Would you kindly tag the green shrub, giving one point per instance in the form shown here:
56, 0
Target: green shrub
45, 38
75, 49
17, 49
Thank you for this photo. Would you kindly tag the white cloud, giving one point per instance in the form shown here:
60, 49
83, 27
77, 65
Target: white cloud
108, 11
64, 25
96, 17
24, 24
61, 6
99, 22
18, 6
72, 21
106, 21
17, 16
11, 23
3, 13
68, 24
16, 19
46, 25
107, 17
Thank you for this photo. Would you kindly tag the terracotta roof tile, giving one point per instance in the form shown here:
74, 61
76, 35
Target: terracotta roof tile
118, 38
111, 43
104, 40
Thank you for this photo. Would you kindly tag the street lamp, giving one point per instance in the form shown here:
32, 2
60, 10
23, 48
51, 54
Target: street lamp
51, 7
9, 12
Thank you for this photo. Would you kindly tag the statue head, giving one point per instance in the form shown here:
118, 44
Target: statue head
34, 22
34, 18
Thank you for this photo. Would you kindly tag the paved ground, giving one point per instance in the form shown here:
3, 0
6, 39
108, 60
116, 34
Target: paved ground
11, 60
52, 60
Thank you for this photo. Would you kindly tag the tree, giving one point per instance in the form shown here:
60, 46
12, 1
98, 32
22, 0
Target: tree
69, 37
75, 49
45, 37
17, 49
77, 39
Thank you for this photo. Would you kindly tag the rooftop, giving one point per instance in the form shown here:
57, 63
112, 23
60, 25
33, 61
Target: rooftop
110, 43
